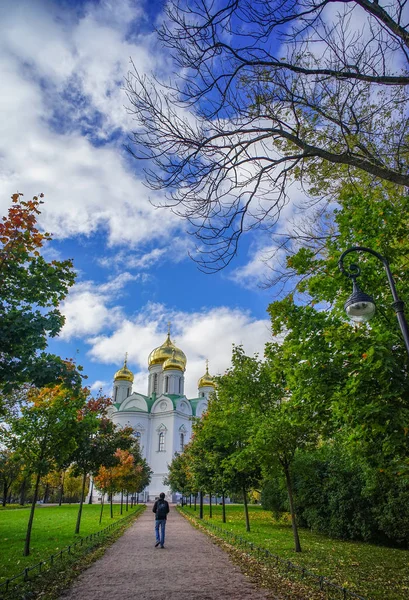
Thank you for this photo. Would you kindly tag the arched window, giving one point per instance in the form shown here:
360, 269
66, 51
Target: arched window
180, 385
155, 382
137, 436
129, 391
161, 446
182, 441
166, 385
201, 395
115, 393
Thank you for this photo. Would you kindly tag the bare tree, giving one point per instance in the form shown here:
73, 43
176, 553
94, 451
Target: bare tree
266, 93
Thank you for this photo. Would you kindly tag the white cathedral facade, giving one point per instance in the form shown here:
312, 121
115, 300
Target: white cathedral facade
162, 418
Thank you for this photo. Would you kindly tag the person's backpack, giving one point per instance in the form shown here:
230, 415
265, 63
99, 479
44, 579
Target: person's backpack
161, 509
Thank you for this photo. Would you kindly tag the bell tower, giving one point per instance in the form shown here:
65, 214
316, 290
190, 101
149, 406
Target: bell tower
123, 380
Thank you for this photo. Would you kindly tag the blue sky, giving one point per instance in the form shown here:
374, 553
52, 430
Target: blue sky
62, 132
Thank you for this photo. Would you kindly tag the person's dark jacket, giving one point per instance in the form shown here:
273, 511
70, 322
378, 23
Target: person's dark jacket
165, 509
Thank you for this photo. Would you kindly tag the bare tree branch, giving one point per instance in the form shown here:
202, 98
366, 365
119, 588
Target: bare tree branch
267, 93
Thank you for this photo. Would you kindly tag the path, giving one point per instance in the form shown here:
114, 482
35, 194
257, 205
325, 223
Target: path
190, 567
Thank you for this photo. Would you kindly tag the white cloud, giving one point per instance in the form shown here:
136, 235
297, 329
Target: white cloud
104, 386
87, 308
61, 93
263, 262
208, 333
176, 250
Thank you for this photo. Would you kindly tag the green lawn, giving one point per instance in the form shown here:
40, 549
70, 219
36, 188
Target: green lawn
376, 572
53, 530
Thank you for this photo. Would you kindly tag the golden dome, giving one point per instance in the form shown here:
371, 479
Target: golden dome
165, 352
174, 363
206, 380
124, 374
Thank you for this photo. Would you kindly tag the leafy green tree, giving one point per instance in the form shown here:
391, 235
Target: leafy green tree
44, 436
10, 468
244, 391
30, 290
210, 446
179, 476
280, 433
97, 440
353, 378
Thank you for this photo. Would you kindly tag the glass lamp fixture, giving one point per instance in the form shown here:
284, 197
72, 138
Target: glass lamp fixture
359, 307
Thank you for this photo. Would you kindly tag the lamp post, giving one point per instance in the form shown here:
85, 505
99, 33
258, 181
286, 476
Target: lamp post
360, 307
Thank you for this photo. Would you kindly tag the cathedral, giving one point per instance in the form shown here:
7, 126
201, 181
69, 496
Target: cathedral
162, 418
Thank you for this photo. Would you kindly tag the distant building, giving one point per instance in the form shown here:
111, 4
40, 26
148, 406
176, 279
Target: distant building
162, 419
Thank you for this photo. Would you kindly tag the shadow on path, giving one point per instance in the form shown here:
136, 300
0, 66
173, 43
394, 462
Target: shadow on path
190, 567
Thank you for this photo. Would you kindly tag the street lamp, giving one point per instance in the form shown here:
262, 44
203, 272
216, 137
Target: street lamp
360, 307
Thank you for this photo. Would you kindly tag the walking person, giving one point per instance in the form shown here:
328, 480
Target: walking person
161, 509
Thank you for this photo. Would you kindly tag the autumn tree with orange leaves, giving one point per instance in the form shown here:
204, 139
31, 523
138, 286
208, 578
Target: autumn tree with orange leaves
133, 472
31, 289
130, 473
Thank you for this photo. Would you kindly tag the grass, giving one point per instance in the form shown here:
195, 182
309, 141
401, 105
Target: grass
53, 529
376, 572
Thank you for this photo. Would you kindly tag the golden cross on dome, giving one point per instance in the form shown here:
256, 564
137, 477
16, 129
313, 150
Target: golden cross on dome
169, 324
126, 359
207, 365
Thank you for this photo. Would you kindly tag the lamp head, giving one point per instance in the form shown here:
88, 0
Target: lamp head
360, 307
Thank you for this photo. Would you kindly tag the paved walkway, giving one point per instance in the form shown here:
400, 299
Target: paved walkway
190, 567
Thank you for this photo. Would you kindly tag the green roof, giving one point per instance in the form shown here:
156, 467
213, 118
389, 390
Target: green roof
150, 401
194, 402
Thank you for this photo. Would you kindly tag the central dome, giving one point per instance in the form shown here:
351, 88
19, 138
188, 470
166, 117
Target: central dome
167, 351
174, 363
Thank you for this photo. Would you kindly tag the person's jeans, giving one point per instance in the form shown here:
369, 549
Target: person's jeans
160, 530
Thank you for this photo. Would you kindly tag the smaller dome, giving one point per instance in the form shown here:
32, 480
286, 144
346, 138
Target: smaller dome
174, 362
206, 380
124, 374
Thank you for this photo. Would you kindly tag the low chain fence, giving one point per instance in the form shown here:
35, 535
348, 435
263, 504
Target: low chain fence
80, 546
284, 566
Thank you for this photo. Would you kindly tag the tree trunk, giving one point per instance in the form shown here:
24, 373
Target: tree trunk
102, 508
200, 505
5, 492
84, 480
31, 518
246, 509
122, 501
190, 501
23, 491
112, 508
61, 489
210, 506
91, 491
45, 497
127, 501
297, 545
223, 508
195, 502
